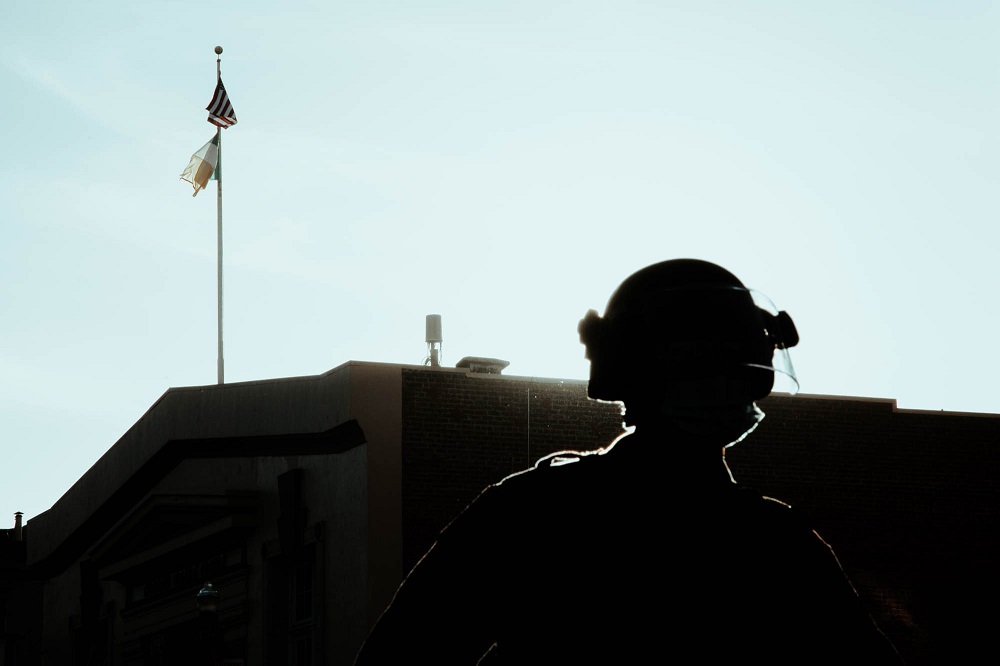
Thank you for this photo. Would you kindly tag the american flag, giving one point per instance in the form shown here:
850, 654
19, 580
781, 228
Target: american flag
220, 109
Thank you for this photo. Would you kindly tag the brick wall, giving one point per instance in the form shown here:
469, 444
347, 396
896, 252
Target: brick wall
462, 432
905, 498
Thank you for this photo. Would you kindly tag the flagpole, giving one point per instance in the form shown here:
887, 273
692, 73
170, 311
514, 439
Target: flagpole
218, 133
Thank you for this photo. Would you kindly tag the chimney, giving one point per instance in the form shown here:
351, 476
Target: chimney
18, 530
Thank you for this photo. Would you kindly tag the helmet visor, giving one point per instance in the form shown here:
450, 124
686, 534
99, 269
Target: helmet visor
785, 380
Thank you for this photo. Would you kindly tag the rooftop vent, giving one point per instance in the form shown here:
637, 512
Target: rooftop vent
486, 366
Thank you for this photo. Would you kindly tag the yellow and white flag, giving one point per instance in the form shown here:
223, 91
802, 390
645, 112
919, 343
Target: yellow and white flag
202, 165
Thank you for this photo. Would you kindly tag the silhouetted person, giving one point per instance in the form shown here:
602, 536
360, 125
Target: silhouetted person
646, 551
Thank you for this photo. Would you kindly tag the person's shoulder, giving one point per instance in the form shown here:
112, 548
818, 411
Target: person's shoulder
751, 497
562, 459
778, 522
765, 510
558, 465
554, 473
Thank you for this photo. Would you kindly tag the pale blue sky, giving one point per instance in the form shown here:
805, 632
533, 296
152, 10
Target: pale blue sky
503, 164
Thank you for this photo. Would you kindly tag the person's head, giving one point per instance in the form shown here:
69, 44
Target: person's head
685, 336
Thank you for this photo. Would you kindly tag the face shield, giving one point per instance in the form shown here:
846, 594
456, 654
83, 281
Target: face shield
781, 329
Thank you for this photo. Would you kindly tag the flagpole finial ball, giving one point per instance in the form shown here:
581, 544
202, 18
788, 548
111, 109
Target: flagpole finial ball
218, 50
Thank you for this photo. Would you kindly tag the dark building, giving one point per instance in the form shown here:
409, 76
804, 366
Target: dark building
303, 501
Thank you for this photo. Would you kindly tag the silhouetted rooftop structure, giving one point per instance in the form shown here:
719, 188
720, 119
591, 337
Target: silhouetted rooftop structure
304, 500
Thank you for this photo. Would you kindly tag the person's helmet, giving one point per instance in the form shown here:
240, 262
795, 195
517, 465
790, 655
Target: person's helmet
682, 326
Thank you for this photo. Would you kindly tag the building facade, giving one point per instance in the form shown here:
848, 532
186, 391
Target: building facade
303, 501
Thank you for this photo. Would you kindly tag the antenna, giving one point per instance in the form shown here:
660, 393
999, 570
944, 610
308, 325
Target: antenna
434, 341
